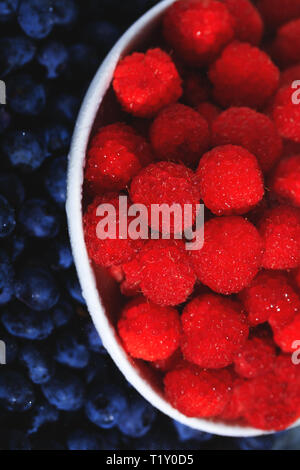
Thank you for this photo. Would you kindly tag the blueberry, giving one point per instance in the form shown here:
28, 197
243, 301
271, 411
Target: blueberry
256, 443
74, 288
185, 433
42, 413
54, 57
25, 96
93, 338
7, 9
24, 323
102, 33
36, 17
17, 245
36, 287
98, 367
39, 219
16, 393
62, 313
18, 441
84, 59
40, 369
60, 254
7, 218
57, 138
66, 107
55, 180
65, 391
6, 281
83, 440
12, 188
5, 118
15, 52
65, 11
105, 405
24, 150
11, 347
136, 420
70, 351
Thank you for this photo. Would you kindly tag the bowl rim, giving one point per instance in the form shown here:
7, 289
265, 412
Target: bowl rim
84, 123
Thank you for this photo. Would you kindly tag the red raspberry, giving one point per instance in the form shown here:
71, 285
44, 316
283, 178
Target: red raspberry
286, 114
165, 183
209, 111
215, 330
256, 358
198, 393
231, 255
285, 370
251, 130
277, 12
198, 29
287, 336
248, 22
164, 273
180, 134
289, 75
297, 278
165, 365
196, 89
243, 76
148, 331
280, 230
230, 179
270, 298
145, 83
110, 251
286, 180
233, 410
115, 155
286, 46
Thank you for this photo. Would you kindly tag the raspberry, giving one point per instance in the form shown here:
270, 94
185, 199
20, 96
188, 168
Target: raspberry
148, 331
287, 336
286, 46
286, 180
289, 75
164, 273
230, 180
198, 29
248, 22
256, 358
233, 410
251, 130
243, 76
280, 230
165, 183
180, 134
270, 298
196, 392
196, 89
171, 363
110, 251
209, 111
286, 114
115, 155
297, 278
277, 12
145, 83
215, 330
231, 255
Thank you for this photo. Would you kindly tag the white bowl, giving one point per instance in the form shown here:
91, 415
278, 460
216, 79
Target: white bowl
102, 299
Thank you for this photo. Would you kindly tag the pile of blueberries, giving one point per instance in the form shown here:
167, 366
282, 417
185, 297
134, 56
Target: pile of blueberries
58, 388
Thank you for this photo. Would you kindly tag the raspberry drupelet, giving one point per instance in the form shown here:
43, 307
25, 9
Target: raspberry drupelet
233, 411
277, 12
231, 255
286, 46
256, 358
280, 231
166, 183
145, 83
286, 113
111, 251
243, 75
198, 393
115, 155
230, 180
179, 134
252, 130
148, 331
248, 22
214, 331
271, 298
286, 180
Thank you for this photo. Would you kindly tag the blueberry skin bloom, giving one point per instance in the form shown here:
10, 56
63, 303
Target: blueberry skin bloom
25, 96
39, 219
105, 405
35, 287
136, 420
16, 393
7, 218
24, 150
65, 391
21, 322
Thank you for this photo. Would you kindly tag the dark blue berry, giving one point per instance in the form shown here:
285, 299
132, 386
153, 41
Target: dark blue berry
54, 57
185, 433
65, 391
60, 254
42, 413
12, 188
93, 338
7, 9
17, 245
256, 443
65, 11
5, 118
55, 180
40, 368
70, 351
66, 107
6, 281
102, 33
36, 17
57, 138
36, 287
25, 323
74, 288
7, 218
16, 393
24, 150
83, 59
83, 440
98, 367
18, 441
62, 313
136, 420
15, 52
105, 405
25, 96
39, 219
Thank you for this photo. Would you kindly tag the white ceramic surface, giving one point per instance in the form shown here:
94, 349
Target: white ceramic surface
97, 90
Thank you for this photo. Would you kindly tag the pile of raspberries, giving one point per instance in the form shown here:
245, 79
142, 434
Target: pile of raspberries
212, 119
